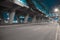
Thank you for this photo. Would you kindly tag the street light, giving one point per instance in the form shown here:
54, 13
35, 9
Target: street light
56, 10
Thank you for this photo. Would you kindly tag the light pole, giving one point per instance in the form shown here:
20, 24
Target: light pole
57, 12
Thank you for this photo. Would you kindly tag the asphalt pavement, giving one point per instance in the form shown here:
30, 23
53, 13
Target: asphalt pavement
29, 32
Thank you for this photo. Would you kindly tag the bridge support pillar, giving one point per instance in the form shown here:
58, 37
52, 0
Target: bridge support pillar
39, 20
34, 19
26, 19
11, 17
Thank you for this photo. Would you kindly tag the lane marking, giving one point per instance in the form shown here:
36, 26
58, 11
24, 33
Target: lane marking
56, 37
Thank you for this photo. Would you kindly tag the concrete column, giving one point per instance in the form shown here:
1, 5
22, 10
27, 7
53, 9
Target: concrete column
39, 20
11, 17
34, 19
1, 18
26, 19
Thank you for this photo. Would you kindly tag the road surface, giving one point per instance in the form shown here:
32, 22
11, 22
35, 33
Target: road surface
29, 32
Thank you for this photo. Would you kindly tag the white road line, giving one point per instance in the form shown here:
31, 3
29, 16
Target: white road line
56, 37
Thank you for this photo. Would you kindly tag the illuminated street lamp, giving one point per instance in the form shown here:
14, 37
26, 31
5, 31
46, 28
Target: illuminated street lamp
56, 10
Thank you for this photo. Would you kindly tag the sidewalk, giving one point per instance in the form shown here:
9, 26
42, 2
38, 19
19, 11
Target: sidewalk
21, 25
27, 24
13, 25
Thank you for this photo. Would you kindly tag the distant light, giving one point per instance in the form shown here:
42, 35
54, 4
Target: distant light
46, 15
7, 13
56, 10
21, 17
20, 1
8, 18
15, 21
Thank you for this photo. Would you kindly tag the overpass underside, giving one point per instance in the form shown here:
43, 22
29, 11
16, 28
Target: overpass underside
15, 9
